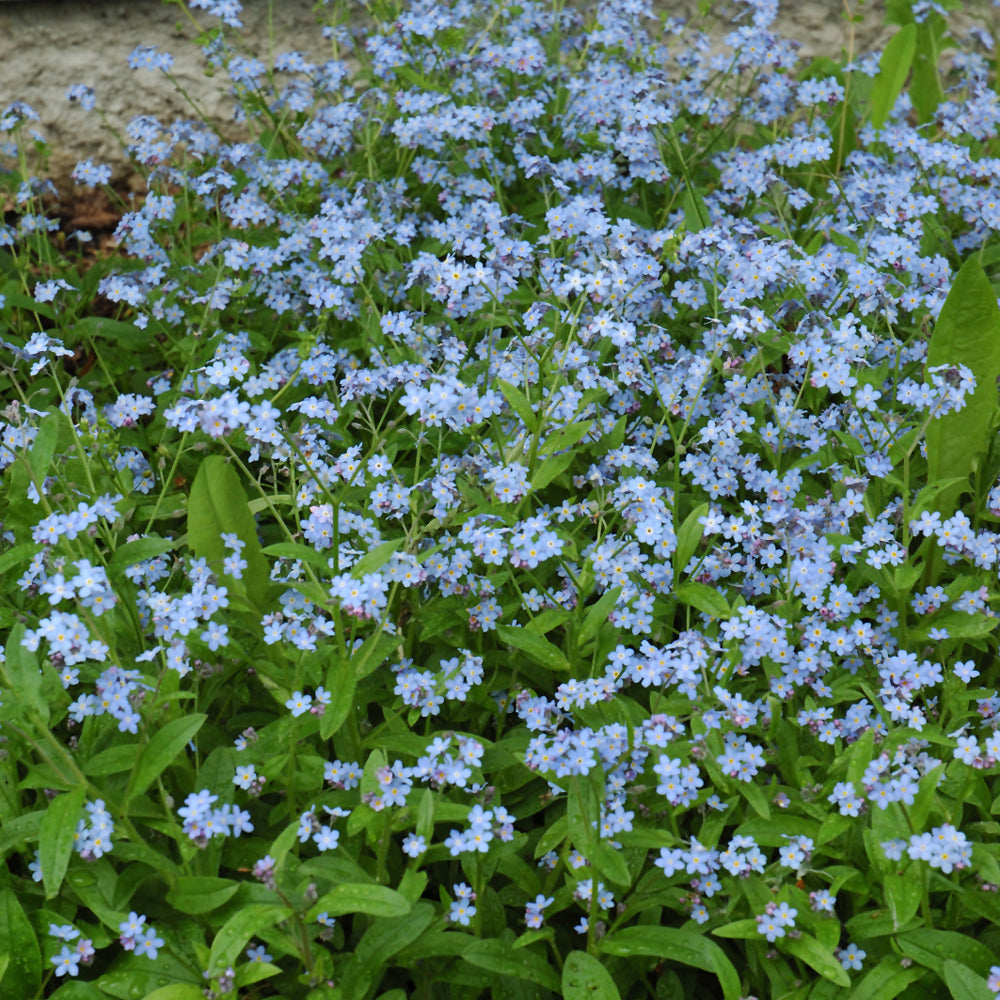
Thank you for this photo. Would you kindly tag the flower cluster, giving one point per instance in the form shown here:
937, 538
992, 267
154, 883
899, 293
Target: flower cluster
69, 959
944, 847
93, 835
776, 920
568, 470
203, 821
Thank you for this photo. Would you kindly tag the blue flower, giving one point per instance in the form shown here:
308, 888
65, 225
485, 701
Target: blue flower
299, 703
148, 943
851, 956
461, 912
67, 962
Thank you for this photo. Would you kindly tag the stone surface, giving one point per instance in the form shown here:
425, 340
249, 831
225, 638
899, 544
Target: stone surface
47, 45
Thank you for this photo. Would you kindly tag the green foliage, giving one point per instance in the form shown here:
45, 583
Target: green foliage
894, 67
509, 529
967, 332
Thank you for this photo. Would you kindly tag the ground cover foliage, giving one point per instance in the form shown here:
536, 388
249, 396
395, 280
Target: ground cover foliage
522, 523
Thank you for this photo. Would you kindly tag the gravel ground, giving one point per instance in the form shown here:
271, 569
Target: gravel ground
47, 45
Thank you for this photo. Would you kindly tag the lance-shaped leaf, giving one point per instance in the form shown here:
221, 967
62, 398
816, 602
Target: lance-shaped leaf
538, 649
161, 750
356, 897
499, 957
584, 978
967, 333
893, 68
23, 972
218, 505
964, 983
676, 944
25, 674
56, 836
244, 924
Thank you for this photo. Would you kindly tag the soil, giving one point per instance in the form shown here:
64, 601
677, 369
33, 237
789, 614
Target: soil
48, 45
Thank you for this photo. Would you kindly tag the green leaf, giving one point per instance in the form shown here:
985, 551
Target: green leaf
113, 760
56, 837
555, 833
128, 335
703, 598
356, 897
519, 404
25, 674
902, 897
547, 620
696, 216
745, 929
385, 937
78, 991
19, 830
161, 750
502, 958
845, 138
597, 615
435, 944
18, 942
297, 550
369, 774
616, 438
125, 850
960, 625
43, 448
372, 653
565, 437
552, 467
218, 505
254, 972
964, 983
177, 991
196, 894
675, 944
246, 923
341, 681
920, 809
389, 935
147, 547
893, 68
581, 814
15, 557
755, 796
216, 772
932, 948
282, 845
15, 298
925, 84
927, 499
887, 980
537, 648
688, 536
260, 504
373, 561
135, 976
822, 960
584, 978
530, 937
609, 862
418, 80
859, 755
967, 332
